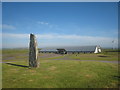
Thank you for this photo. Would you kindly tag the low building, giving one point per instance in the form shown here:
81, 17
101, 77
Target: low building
73, 50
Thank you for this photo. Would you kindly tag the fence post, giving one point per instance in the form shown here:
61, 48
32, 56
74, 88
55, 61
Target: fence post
33, 52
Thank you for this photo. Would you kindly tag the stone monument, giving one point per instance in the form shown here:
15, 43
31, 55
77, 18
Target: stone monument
33, 52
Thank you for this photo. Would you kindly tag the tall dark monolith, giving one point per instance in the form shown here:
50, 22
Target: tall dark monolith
33, 52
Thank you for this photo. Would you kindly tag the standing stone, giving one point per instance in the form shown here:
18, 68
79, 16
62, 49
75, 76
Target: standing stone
33, 52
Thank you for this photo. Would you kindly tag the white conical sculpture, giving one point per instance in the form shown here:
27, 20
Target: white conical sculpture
33, 52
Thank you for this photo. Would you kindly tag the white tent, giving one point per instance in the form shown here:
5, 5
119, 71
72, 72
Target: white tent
97, 49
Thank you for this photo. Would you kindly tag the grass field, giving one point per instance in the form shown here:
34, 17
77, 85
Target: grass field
60, 71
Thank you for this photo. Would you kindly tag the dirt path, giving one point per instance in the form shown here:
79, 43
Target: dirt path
68, 58
55, 55
76, 60
48, 55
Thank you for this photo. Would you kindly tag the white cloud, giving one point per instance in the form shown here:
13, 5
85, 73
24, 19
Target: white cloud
47, 24
57, 39
72, 36
45, 36
6, 26
42, 23
12, 35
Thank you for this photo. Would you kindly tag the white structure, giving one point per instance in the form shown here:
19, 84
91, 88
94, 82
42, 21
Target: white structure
79, 49
97, 49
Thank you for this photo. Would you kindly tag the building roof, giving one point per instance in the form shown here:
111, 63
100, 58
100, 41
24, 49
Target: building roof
48, 49
79, 48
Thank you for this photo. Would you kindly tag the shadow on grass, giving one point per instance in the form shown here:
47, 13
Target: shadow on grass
18, 65
102, 56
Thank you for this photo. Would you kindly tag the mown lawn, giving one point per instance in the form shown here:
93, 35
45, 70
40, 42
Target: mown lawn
57, 73
94, 57
106, 55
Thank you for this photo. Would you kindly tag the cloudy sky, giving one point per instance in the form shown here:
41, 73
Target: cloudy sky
60, 24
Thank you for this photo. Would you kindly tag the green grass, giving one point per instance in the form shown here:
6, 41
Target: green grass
106, 55
50, 58
94, 57
58, 73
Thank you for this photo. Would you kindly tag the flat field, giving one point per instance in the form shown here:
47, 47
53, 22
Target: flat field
60, 71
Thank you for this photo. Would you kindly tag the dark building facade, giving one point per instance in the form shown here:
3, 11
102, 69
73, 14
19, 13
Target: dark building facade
73, 50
